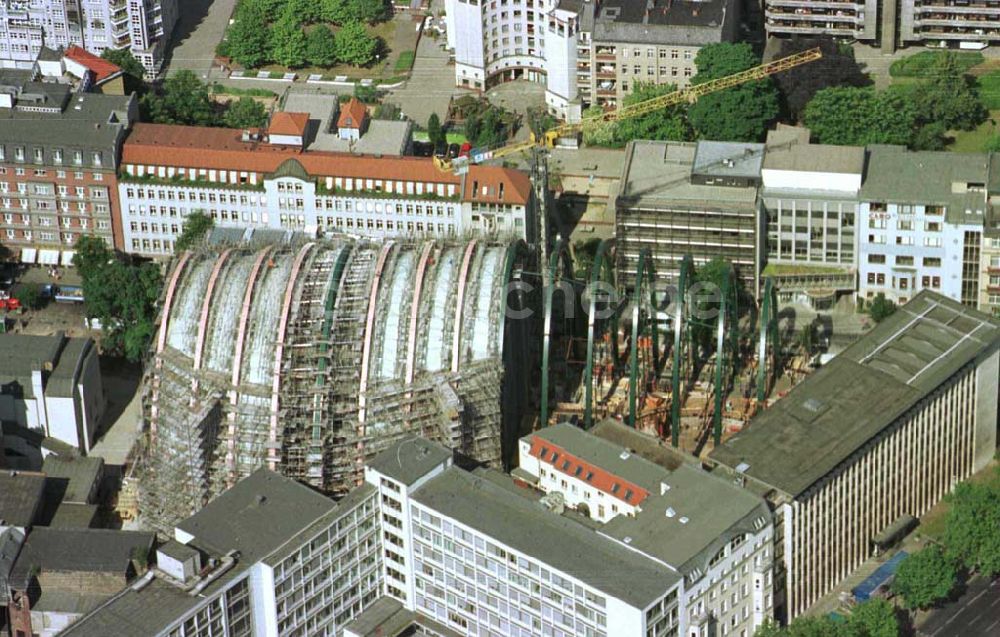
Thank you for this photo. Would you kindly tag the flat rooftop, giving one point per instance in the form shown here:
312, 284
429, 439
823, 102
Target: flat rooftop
788, 148
681, 22
728, 159
72, 477
835, 411
409, 459
89, 120
659, 173
547, 537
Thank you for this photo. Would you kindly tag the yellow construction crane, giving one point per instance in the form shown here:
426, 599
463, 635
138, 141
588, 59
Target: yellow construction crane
689, 95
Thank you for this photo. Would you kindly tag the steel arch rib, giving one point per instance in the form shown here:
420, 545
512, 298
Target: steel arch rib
366, 350
644, 269
513, 252
768, 316
456, 330
721, 325
559, 253
237, 364
599, 265
279, 350
161, 339
411, 343
199, 346
683, 281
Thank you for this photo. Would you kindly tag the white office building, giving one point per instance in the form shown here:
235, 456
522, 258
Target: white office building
585, 53
144, 28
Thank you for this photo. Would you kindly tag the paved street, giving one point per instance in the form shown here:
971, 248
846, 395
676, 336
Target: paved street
975, 614
199, 30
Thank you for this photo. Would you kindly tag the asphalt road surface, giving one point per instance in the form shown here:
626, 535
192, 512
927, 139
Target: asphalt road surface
975, 614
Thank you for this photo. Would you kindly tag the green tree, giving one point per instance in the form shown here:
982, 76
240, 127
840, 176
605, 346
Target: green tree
435, 133
740, 113
321, 49
494, 130
245, 112
367, 94
860, 116
873, 618
599, 133
288, 41
837, 67
344, 11
948, 97
925, 578
122, 296
307, 11
183, 99
816, 627
970, 534
270, 9
355, 46
664, 124
769, 629
248, 38
992, 144
133, 69
881, 308
30, 295
196, 226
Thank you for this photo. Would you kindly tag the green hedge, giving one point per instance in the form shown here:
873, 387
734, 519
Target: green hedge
988, 87
920, 64
221, 89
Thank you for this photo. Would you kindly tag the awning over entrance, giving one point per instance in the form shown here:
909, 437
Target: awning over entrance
28, 255
67, 257
48, 257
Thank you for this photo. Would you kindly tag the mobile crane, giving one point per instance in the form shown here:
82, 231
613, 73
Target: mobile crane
550, 138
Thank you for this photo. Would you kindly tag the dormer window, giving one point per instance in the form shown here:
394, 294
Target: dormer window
78, 157
39, 156
19, 153
57, 156
97, 160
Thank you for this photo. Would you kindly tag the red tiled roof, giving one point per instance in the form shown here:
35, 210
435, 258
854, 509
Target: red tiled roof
101, 68
223, 149
288, 124
352, 115
602, 480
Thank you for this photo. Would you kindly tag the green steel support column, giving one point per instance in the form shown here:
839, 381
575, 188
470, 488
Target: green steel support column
683, 282
768, 336
723, 323
517, 252
643, 271
559, 252
600, 265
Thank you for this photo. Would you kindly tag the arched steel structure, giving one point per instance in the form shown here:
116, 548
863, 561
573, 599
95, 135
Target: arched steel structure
602, 266
681, 344
767, 366
644, 276
726, 349
515, 389
560, 253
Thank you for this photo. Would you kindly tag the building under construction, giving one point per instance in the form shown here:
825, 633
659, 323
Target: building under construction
309, 357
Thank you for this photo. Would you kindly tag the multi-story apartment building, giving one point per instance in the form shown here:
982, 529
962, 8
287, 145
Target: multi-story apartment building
810, 195
944, 22
585, 53
989, 280
242, 179
856, 20
58, 160
679, 198
143, 27
921, 217
879, 434
713, 533
267, 557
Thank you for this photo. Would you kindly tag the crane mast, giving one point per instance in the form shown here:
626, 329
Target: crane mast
687, 95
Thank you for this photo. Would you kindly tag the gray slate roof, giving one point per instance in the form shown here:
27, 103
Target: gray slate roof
20, 497
90, 121
546, 536
80, 550
836, 410
409, 459
681, 22
74, 475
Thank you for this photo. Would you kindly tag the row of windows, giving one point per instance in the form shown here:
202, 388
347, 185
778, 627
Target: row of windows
904, 260
20, 154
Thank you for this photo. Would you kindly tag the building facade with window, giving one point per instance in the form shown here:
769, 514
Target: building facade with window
58, 160
585, 53
921, 223
267, 557
718, 536
241, 180
142, 27
878, 435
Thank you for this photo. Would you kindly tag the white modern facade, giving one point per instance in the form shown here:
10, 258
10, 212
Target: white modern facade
585, 53
268, 186
143, 27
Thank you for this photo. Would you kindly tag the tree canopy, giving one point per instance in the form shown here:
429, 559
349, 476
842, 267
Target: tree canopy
971, 535
435, 133
874, 618
321, 49
182, 99
288, 41
245, 112
122, 296
196, 226
881, 308
798, 85
355, 46
860, 116
248, 38
739, 113
925, 578
135, 73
